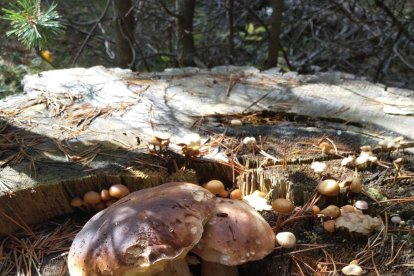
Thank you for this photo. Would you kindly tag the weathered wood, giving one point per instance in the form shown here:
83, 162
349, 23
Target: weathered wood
108, 110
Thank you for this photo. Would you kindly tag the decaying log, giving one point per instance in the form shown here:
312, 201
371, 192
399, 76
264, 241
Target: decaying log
81, 129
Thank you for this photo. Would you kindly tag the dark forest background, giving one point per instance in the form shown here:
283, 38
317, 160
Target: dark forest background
370, 38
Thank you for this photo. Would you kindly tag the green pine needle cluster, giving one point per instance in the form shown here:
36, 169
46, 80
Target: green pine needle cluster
33, 27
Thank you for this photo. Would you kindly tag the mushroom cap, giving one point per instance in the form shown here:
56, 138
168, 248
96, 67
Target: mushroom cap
76, 202
235, 234
326, 147
92, 197
396, 219
356, 185
361, 204
105, 196
190, 140
142, 232
214, 186
329, 225
315, 209
329, 187
331, 211
352, 269
366, 148
162, 135
224, 193
154, 141
118, 191
286, 239
347, 209
282, 206
236, 194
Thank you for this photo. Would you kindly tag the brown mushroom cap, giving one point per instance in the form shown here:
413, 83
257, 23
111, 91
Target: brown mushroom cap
91, 198
316, 210
142, 232
282, 206
214, 186
76, 202
329, 187
331, 211
224, 193
105, 196
236, 194
235, 234
356, 185
118, 191
329, 225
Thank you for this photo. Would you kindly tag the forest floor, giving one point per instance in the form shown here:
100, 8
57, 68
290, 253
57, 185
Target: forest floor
296, 143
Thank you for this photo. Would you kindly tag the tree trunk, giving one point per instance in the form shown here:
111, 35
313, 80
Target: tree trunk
275, 28
124, 21
229, 6
185, 41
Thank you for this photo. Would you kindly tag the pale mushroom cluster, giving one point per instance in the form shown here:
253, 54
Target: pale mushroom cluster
391, 144
353, 220
93, 200
151, 231
365, 159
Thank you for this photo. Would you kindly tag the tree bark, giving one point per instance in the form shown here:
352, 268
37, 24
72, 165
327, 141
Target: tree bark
185, 41
124, 21
229, 6
275, 28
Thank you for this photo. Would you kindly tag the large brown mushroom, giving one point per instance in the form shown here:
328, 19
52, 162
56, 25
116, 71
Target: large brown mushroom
235, 234
146, 232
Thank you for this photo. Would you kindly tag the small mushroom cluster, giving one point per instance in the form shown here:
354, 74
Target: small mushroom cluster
159, 141
365, 159
152, 230
190, 145
217, 188
93, 200
347, 217
388, 145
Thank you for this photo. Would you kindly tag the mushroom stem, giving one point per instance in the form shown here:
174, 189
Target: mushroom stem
278, 223
217, 269
178, 267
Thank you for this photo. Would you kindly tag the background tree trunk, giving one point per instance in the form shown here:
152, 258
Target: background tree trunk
124, 26
275, 28
185, 41
229, 6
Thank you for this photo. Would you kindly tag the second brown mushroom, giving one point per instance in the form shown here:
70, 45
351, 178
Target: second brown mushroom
235, 234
